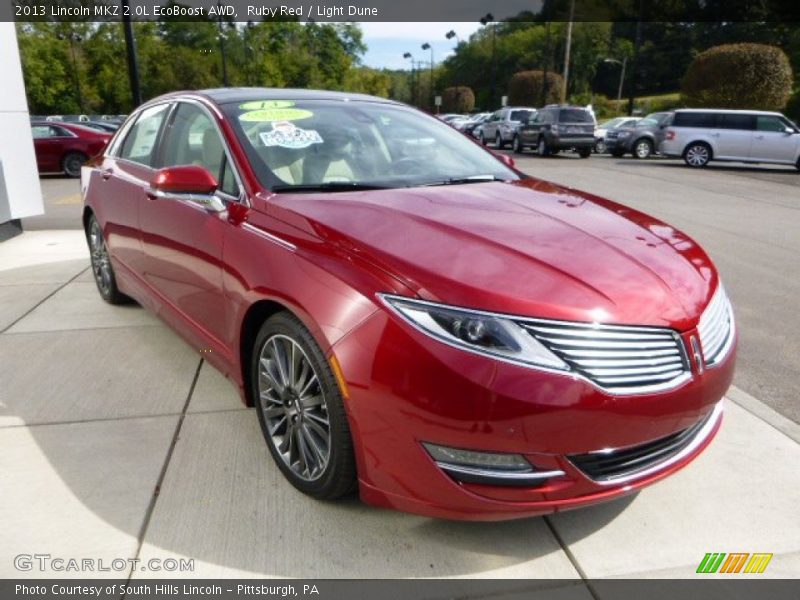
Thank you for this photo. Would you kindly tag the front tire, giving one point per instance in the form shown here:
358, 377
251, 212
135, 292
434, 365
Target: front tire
72, 162
585, 152
542, 149
301, 410
102, 269
498, 141
617, 153
482, 139
643, 149
697, 155
600, 146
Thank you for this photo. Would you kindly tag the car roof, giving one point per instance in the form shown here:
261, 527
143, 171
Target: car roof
245, 94
729, 111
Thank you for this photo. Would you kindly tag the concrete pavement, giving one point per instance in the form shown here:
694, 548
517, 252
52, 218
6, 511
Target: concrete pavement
118, 441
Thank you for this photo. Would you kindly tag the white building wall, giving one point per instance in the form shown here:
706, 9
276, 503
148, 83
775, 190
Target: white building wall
20, 192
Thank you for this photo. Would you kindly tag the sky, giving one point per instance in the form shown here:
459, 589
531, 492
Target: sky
387, 42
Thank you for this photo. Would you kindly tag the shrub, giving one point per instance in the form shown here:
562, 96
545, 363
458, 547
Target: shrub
458, 99
525, 88
753, 76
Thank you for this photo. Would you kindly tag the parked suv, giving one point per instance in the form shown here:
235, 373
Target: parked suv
502, 125
557, 128
641, 140
699, 136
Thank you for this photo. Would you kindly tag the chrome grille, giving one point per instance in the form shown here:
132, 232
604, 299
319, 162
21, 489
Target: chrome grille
716, 328
617, 358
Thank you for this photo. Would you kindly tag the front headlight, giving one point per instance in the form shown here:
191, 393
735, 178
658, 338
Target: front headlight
624, 134
475, 331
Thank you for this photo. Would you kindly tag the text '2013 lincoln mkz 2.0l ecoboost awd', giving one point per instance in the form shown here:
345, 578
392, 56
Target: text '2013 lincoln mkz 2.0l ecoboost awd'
410, 316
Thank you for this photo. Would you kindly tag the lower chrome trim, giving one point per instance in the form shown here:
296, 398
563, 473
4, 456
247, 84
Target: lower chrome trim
700, 437
498, 477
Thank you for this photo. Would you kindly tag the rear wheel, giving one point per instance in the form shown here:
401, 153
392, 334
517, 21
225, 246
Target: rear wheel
301, 410
102, 269
643, 148
697, 155
585, 152
72, 163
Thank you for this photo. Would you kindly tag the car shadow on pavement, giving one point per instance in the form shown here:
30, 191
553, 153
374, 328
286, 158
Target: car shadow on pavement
146, 451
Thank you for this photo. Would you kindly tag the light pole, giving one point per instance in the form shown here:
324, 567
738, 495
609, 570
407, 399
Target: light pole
427, 46
410, 56
623, 63
485, 20
452, 34
130, 51
74, 37
567, 51
222, 47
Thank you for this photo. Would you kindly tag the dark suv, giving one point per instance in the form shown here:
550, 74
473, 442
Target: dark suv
557, 127
642, 139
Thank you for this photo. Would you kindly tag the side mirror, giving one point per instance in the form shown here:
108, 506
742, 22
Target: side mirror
506, 159
187, 182
790, 131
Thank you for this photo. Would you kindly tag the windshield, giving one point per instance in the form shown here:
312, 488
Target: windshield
612, 123
652, 120
350, 144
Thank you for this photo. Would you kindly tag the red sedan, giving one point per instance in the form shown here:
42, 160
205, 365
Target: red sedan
410, 315
64, 147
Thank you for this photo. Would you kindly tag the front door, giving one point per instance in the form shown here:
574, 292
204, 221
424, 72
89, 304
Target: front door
183, 239
772, 142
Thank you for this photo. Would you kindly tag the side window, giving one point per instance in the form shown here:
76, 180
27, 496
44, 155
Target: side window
735, 121
227, 181
40, 132
192, 139
694, 119
770, 123
140, 144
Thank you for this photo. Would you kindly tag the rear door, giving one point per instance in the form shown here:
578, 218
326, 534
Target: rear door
772, 142
734, 135
122, 183
46, 147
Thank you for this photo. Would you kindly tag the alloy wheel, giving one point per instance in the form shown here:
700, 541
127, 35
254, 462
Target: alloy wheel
294, 408
541, 147
73, 163
101, 264
643, 149
697, 156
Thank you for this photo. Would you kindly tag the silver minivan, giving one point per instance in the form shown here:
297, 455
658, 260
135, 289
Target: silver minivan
501, 126
703, 135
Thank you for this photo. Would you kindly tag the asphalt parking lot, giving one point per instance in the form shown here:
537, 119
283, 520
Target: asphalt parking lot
746, 217
118, 441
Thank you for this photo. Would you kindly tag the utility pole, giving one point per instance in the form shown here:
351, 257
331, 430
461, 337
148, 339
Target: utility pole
634, 75
545, 82
567, 51
222, 47
130, 50
427, 46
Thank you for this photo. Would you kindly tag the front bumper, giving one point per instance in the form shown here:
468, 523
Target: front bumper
405, 389
620, 144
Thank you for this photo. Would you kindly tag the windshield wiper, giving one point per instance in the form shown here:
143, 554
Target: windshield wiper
329, 186
470, 179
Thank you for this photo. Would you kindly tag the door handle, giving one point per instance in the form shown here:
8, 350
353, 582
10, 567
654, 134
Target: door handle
714, 135
106, 174
759, 137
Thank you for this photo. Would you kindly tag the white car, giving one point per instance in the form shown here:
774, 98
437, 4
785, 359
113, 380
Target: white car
602, 128
702, 135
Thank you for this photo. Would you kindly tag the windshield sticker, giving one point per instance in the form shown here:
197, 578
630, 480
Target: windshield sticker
288, 135
266, 115
264, 104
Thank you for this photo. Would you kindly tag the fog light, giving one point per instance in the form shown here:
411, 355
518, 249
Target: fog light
472, 458
488, 468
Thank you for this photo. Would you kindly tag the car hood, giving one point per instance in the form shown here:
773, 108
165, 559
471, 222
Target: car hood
528, 248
